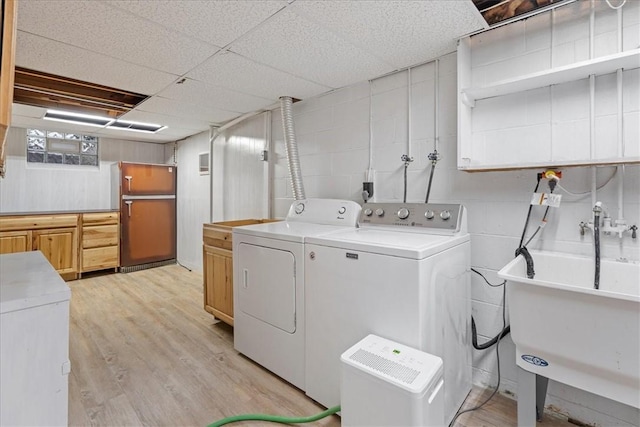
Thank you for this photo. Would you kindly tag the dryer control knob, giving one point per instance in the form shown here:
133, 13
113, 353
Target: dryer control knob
429, 214
445, 215
368, 212
380, 212
299, 208
403, 213
342, 210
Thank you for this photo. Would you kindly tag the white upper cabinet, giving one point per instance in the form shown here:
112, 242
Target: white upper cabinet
559, 89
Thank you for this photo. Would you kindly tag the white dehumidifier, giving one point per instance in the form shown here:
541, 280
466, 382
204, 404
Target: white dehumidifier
384, 383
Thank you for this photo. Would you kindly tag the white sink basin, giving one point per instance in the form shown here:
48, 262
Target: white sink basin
566, 330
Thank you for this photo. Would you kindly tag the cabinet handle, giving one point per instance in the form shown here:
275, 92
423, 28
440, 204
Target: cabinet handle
128, 203
128, 178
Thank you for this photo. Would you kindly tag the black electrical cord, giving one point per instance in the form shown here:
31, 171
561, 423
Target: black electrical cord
474, 334
526, 223
504, 322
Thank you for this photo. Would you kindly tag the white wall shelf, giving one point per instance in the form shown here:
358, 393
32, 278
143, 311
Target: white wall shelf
604, 65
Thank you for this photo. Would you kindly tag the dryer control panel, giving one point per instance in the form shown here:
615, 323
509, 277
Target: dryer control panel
440, 216
325, 211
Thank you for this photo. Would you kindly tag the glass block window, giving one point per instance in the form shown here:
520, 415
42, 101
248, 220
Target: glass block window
61, 148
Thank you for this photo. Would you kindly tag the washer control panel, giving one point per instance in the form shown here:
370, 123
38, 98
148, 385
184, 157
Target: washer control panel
441, 216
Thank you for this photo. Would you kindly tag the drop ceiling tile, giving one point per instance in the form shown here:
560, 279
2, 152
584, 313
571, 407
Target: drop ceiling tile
39, 53
27, 110
96, 26
197, 92
160, 105
159, 137
240, 74
297, 46
164, 120
404, 33
216, 22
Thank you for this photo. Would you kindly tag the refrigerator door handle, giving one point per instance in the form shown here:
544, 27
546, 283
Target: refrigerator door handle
128, 203
128, 178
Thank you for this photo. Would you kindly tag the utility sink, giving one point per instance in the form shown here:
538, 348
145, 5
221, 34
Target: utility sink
566, 330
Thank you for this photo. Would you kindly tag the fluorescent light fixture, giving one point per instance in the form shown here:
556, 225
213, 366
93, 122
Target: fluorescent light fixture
136, 126
77, 118
104, 122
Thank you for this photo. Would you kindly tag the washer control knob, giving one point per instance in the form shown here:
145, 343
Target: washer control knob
299, 208
403, 213
342, 210
429, 214
380, 212
368, 212
445, 215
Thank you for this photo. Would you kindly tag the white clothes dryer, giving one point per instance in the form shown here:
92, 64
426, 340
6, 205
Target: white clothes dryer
404, 276
268, 282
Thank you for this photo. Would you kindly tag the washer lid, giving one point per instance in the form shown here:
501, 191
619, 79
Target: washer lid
287, 230
386, 242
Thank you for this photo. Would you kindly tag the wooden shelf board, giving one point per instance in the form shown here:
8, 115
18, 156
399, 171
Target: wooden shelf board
604, 65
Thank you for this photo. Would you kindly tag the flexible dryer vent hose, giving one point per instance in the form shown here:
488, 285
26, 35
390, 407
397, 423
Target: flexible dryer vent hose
291, 148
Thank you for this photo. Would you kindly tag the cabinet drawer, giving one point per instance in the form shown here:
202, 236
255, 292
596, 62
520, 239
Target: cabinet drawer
99, 258
101, 235
37, 222
102, 218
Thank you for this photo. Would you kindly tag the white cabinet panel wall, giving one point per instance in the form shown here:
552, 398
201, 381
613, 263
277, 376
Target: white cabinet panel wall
193, 198
525, 96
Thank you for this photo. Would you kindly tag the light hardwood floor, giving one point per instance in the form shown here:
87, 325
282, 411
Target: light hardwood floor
144, 352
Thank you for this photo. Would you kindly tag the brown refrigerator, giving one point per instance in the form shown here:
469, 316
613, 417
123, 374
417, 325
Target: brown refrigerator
145, 194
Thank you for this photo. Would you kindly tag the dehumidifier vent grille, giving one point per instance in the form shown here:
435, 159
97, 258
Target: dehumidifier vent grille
388, 367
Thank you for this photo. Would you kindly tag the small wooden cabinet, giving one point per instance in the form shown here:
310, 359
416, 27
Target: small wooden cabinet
55, 235
100, 241
59, 246
217, 252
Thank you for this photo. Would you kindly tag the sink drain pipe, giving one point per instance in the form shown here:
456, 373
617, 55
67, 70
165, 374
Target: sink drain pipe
291, 148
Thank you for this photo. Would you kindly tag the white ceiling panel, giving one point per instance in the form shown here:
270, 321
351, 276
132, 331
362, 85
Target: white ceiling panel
194, 91
217, 22
159, 137
243, 75
101, 28
27, 110
171, 121
295, 45
404, 33
39, 53
171, 107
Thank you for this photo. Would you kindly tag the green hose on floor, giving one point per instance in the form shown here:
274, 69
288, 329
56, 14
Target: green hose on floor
275, 418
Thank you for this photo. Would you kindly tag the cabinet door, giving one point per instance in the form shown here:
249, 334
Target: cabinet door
15, 241
218, 283
59, 246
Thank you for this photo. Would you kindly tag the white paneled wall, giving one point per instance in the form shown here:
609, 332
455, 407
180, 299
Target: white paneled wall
31, 188
333, 136
193, 198
240, 185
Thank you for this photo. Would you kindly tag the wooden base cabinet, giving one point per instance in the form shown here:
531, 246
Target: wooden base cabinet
56, 236
217, 266
218, 283
100, 241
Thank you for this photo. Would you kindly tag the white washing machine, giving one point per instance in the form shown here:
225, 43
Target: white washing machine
268, 283
403, 275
